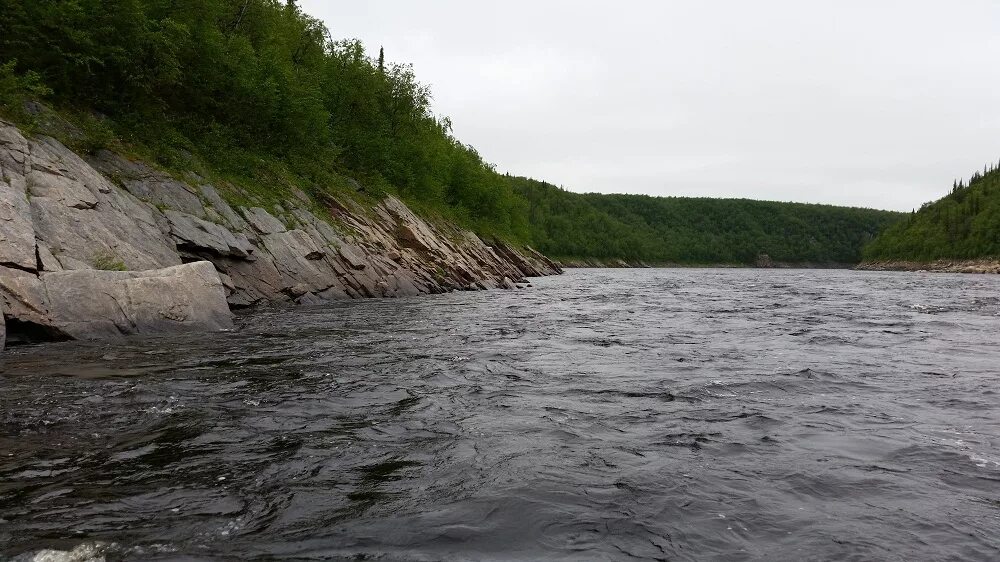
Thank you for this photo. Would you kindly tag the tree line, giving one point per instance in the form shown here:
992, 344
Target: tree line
255, 87
965, 224
686, 230
262, 93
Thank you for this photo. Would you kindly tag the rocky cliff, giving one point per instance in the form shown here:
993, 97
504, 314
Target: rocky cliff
62, 212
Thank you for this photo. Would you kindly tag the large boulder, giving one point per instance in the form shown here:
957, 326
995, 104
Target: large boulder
63, 217
22, 295
92, 304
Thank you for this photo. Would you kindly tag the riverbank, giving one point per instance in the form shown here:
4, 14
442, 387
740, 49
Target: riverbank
939, 266
573, 263
76, 224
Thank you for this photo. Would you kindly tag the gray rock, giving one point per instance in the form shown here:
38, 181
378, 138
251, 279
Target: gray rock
352, 256
17, 235
412, 238
48, 155
13, 150
254, 282
63, 216
150, 185
263, 221
219, 204
3, 330
118, 229
102, 304
23, 296
78, 214
299, 258
46, 260
196, 233
70, 263
67, 191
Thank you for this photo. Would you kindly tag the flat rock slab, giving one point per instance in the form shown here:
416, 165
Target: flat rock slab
263, 221
91, 304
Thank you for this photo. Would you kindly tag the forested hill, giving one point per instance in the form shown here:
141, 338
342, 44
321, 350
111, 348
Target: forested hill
255, 91
695, 230
965, 224
257, 94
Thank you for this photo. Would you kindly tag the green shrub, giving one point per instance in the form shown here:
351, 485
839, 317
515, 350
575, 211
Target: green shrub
17, 88
108, 261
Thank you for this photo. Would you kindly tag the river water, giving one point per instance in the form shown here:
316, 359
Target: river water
600, 415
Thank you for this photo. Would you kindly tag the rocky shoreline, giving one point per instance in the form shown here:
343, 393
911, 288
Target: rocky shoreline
939, 266
623, 264
94, 246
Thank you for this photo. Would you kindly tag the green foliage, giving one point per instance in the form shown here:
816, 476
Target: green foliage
256, 94
695, 230
108, 261
16, 88
256, 89
965, 224
95, 133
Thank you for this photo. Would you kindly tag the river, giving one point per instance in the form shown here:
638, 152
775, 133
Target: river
672, 414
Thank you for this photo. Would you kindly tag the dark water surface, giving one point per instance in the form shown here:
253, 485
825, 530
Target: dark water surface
601, 415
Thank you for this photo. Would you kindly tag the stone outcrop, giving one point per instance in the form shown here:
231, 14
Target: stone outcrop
95, 304
62, 214
91, 304
764, 261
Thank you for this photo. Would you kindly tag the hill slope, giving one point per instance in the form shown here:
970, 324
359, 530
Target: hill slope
695, 230
256, 94
963, 225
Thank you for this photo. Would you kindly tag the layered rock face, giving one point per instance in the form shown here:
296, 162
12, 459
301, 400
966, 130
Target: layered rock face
93, 304
61, 214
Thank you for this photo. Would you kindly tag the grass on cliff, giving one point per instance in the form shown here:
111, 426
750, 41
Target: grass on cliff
108, 261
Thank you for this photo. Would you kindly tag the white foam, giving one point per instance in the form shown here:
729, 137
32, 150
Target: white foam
89, 552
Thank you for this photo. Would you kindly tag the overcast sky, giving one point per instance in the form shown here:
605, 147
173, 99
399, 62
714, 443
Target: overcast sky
868, 103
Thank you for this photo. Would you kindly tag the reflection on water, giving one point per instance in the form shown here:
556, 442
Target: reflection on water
655, 414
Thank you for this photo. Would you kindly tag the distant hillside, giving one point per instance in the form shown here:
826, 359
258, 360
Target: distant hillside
695, 230
256, 93
965, 224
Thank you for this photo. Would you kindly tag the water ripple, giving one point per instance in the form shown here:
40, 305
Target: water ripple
617, 415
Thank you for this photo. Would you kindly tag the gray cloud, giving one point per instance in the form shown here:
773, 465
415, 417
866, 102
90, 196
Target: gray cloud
874, 103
